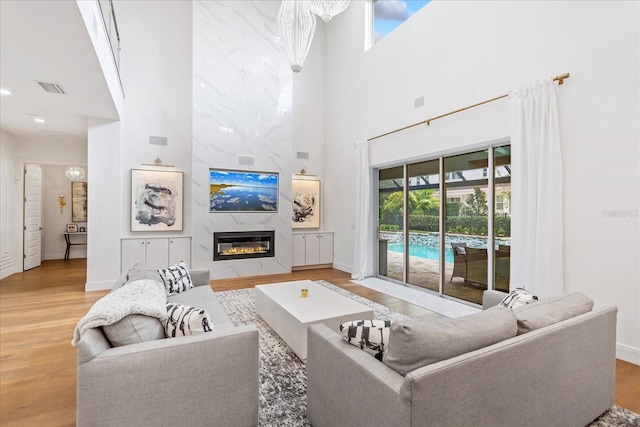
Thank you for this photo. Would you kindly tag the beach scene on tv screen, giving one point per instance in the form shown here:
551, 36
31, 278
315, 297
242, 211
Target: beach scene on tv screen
237, 191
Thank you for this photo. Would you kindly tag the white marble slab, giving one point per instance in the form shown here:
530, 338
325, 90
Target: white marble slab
242, 94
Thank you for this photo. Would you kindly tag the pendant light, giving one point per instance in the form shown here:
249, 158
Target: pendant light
75, 173
297, 24
327, 9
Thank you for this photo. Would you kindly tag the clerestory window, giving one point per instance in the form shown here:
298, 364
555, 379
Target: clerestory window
390, 14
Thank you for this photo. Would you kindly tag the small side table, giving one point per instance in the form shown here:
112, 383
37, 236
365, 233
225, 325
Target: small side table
67, 239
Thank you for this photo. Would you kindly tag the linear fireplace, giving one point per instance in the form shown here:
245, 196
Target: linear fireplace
243, 244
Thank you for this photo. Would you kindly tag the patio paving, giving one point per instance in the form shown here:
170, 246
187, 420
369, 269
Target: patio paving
424, 273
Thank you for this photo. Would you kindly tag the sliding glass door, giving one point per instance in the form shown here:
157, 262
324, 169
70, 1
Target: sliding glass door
445, 223
423, 206
391, 236
466, 191
502, 217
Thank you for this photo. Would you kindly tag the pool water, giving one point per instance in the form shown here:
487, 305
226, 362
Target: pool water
422, 251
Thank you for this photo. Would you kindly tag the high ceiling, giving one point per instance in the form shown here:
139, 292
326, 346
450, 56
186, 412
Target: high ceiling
47, 41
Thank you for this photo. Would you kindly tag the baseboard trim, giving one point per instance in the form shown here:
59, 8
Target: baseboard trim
342, 267
310, 267
628, 354
99, 286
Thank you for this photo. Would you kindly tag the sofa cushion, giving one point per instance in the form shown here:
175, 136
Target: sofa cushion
176, 279
134, 329
186, 320
421, 342
370, 336
203, 297
140, 272
517, 298
544, 313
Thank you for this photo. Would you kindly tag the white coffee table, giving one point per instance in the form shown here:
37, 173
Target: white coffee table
288, 313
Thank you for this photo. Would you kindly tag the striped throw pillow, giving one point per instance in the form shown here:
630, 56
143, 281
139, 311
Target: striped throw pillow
186, 320
176, 279
517, 298
370, 335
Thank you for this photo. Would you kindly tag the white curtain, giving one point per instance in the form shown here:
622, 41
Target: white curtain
363, 247
536, 205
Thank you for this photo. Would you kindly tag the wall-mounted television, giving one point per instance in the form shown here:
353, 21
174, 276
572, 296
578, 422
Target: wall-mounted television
243, 191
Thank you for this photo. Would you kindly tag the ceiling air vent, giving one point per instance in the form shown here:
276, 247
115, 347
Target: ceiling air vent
51, 87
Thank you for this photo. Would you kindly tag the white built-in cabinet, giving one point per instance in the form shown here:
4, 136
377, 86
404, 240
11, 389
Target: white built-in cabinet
155, 252
312, 248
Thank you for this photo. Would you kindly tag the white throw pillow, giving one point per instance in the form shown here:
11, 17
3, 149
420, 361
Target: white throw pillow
517, 298
186, 320
176, 279
370, 336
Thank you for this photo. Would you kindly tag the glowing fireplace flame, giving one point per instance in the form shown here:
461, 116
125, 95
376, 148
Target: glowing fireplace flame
244, 250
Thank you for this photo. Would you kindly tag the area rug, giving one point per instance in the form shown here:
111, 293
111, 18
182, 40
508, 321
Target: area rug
283, 376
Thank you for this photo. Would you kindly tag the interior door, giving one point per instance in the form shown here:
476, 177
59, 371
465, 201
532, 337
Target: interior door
32, 216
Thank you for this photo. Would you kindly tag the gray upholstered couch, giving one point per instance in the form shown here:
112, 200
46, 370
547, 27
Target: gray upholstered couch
208, 379
562, 374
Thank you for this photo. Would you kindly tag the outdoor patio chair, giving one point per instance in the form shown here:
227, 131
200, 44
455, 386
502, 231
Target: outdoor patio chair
459, 261
477, 266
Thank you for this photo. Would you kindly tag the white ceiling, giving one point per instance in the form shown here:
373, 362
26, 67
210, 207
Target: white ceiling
47, 41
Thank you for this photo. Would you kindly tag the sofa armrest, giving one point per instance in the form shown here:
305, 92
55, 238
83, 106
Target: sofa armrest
200, 277
348, 387
214, 375
492, 298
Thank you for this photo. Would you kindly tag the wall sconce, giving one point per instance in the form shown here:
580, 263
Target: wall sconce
62, 203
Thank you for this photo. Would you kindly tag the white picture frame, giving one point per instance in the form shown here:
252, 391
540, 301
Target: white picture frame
156, 200
305, 203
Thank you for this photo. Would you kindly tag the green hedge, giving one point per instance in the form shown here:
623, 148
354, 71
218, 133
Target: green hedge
476, 225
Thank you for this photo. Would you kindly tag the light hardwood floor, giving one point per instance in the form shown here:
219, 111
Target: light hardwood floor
40, 308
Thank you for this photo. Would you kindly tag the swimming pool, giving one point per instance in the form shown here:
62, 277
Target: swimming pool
422, 251
427, 245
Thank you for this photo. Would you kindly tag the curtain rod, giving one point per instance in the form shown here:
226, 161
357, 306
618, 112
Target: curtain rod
560, 79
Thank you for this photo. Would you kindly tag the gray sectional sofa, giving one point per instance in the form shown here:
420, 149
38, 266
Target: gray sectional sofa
207, 379
561, 374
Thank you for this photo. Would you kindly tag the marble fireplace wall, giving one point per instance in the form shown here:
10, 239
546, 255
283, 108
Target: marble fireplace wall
242, 95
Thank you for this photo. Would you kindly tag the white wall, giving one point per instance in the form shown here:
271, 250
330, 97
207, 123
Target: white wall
457, 53
105, 208
308, 108
54, 151
96, 30
156, 69
10, 207
242, 81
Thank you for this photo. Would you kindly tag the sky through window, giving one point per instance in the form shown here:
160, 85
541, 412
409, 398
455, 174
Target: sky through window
389, 14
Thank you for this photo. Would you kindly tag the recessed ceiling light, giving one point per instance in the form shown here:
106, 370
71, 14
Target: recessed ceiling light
38, 120
5, 92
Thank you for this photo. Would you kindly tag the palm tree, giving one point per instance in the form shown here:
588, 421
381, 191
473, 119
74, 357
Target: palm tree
422, 201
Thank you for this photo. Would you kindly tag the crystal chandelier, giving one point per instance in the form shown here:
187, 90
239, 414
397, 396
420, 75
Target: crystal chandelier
297, 24
75, 173
327, 9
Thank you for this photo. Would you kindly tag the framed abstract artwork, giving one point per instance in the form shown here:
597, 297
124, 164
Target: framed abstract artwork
78, 201
156, 200
242, 191
305, 203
